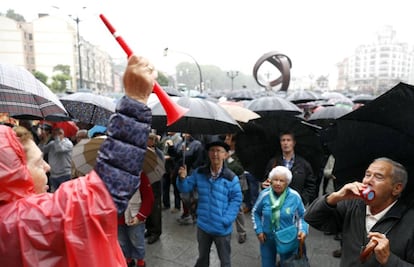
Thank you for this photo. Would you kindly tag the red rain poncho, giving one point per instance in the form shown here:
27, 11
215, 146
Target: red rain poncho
76, 225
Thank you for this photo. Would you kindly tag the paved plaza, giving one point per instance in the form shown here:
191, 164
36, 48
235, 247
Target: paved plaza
178, 247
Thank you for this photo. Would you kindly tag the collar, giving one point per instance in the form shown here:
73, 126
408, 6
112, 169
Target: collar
216, 175
379, 215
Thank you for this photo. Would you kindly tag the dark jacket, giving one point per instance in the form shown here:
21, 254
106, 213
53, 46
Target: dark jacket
348, 217
303, 179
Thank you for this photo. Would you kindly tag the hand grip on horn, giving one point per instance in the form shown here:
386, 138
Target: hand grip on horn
174, 111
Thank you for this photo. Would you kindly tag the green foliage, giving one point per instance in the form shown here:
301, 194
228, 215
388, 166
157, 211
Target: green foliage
214, 78
12, 15
162, 79
58, 84
65, 69
41, 76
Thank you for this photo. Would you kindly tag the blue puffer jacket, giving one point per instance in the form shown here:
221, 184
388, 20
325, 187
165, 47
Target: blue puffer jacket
219, 200
121, 155
262, 212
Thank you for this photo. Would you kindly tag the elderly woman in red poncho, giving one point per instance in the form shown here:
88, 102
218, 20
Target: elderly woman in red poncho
76, 225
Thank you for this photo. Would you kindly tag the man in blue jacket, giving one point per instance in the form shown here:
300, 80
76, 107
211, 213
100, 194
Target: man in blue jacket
219, 199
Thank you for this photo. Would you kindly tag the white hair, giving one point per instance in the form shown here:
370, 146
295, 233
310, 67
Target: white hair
281, 170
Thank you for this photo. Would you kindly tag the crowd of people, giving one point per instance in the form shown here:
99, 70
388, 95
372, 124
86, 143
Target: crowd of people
54, 216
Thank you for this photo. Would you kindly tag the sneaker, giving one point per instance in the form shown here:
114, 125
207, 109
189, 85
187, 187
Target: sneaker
175, 210
337, 253
141, 263
131, 263
185, 220
242, 238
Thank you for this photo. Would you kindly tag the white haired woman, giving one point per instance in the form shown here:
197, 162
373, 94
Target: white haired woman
278, 208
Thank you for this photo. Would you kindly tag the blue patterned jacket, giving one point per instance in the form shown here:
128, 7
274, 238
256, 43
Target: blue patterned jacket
121, 155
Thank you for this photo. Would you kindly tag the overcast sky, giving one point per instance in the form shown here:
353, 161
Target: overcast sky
233, 34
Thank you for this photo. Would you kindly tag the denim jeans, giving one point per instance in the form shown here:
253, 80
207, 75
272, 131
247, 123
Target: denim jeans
223, 247
131, 239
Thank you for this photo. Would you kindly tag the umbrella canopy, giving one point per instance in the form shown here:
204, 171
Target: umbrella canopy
69, 127
259, 142
362, 98
85, 152
382, 128
239, 113
242, 94
89, 108
25, 97
203, 117
302, 96
269, 105
153, 166
329, 113
171, 91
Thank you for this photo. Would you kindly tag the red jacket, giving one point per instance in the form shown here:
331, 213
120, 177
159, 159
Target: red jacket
147, 200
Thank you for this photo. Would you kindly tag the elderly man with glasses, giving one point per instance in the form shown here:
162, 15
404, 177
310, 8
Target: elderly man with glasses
219, 199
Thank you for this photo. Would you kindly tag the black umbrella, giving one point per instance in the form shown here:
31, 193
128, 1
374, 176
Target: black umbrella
259, 142
326, 116
329, 112
242, 94
203, 117
25, 97
302, 96
362, 98
270, 105
171, 91
382, 128
89, 108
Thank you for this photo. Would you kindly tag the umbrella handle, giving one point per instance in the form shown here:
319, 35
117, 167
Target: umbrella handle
184, 148
173, 110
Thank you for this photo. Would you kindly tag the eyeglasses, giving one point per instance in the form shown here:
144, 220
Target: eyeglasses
213, 151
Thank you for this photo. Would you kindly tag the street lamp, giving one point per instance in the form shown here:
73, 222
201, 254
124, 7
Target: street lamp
77, 20
195, 61
232, 75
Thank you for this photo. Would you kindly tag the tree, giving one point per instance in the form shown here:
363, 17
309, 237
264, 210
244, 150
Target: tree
59, 81
162, 79
64, 69
41, 76
12, 15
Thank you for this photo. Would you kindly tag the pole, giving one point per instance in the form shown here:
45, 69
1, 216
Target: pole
195, 61
79, 54
77, 20
232, 74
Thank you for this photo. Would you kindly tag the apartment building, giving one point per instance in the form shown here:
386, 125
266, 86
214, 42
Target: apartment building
374, 68
49, 41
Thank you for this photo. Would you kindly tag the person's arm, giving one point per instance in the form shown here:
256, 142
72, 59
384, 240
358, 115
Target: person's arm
309, 188
63, 145
185, 183
147, 198
120, 158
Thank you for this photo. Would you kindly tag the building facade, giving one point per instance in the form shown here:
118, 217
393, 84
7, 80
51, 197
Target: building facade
377, 67
48, 41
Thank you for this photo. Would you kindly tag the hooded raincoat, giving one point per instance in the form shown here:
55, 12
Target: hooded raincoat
76, 225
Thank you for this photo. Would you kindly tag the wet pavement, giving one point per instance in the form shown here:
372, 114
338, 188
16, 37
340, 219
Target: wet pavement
178, 246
